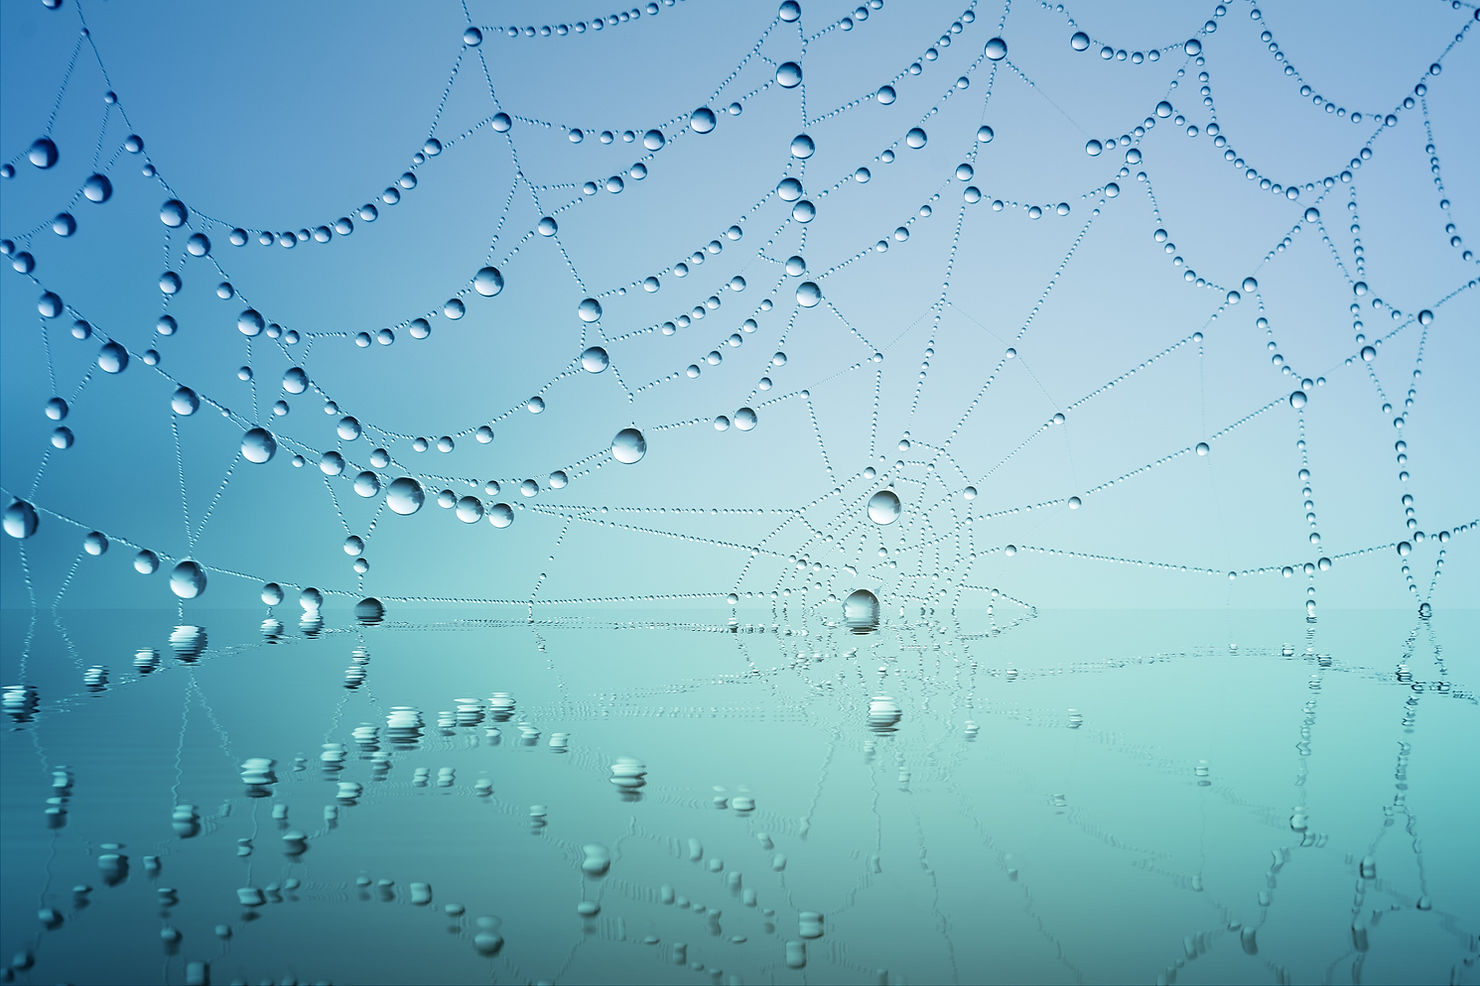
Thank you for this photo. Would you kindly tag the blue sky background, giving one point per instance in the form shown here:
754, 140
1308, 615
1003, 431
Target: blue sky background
287, 117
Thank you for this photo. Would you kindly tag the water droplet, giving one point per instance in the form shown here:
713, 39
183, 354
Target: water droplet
629, 446
809, 295
594, 360
702, 120
915, 138
802, 147
789, 75
97, 188
258, 445
501, 515
43, 153
20, 520
184, 402
1297, 399
405, 496
861, 611
112, 358
883, 507
250, 322
173, 213
188, 580
1079, 41
589, 310
996, 49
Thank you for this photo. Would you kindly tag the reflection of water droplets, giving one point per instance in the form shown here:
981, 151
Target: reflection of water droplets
188, 580
628, 446
884, 714
883, 507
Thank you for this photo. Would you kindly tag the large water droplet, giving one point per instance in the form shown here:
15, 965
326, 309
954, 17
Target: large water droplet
488, 282
405, 496
97, 188
43, 153
861, 611
702, 120
589, 310
883, 507
112, 358
258, 445
996, 49
594, 360
629, 446
188, 580
20, 519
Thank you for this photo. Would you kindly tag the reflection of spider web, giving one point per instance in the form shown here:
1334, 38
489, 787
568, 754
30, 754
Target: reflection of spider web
982, 801
867, 390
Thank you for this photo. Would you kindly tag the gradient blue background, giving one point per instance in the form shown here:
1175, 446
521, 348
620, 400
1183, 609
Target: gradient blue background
284, 117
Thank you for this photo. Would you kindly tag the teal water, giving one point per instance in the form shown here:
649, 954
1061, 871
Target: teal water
1144, 795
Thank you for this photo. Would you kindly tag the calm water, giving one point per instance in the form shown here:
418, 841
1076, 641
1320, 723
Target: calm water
1083, 797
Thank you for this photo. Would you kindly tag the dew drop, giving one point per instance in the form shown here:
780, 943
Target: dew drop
20, 520
883, 507
702, 120
594, 360
628, 446
488, 282
258, 445
43, 153
405, 496
861, 611
188, 580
